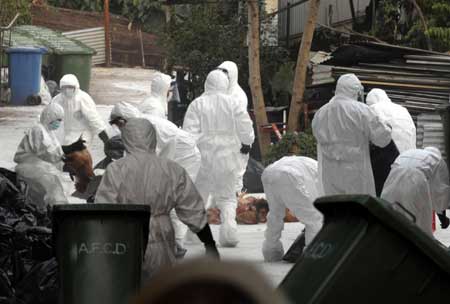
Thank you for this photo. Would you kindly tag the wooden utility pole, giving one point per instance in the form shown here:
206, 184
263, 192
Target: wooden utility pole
302, 66
107, 34
255, 77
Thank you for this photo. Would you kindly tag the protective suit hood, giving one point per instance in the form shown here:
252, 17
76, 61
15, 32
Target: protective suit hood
216, 82
434, 150
51, 113
69, 80
139, 135
349, 86
125, 110
160, 85
232, 70
377, 96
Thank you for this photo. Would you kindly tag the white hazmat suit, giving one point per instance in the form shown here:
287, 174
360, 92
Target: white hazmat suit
143, 177
343, 129
237, 93
39, 156
156, 103
44, 92
220, 125
428, 166
403, 128
80, 112
292, 182
172, 143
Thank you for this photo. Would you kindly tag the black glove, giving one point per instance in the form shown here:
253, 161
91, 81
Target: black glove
245, 149
445, 221
103, 136
205, 235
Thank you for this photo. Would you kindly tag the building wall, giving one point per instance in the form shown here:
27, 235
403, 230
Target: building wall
271, 6
331, 12
125, 45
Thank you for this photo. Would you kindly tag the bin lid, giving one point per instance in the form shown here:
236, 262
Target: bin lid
27, 49
385, 213
89, 208
54, 41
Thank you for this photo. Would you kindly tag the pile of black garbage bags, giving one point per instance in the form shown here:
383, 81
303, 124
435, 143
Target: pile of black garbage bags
28, 268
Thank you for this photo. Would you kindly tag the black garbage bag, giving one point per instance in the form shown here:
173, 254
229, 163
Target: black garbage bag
381, 160
6, 289
252, 177
25, 242
40, 285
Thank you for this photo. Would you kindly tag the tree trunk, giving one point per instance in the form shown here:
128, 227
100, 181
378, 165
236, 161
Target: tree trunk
302, 65
255, 77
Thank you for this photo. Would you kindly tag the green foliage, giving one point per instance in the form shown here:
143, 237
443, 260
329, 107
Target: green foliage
200, 39
83, 5
302, 143
397, 22
386, 25
139, 11
9, 9
273, 58
282, 83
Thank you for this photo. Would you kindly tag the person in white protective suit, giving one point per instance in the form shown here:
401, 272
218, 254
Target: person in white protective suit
223, 129
343, 129
145, 178
237, 93
403, 128
156, 103
39, 159
80, 113
419, 181
44, 92
291, 182
172, 143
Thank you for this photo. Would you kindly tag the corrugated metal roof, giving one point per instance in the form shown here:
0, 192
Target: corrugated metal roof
55, 42
94, 38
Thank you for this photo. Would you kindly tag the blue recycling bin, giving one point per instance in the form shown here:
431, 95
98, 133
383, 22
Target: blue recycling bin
24, 72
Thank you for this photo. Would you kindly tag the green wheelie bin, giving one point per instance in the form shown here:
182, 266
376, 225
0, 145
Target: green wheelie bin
100, 249
369, 251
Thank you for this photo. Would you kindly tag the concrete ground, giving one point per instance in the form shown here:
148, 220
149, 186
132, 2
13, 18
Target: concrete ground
108, 87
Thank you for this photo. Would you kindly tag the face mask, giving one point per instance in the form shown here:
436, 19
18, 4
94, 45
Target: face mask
68, 92
54, 125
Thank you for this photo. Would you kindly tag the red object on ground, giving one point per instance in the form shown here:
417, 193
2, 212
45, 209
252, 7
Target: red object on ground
433, 225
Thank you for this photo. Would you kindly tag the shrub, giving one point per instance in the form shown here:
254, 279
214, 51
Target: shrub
302, 144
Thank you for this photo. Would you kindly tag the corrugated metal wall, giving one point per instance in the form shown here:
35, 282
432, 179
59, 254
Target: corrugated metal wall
336, 11
94, 38
430, 132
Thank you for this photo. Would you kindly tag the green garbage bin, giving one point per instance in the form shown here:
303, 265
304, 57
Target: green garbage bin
79, 64
99, 248
368, 252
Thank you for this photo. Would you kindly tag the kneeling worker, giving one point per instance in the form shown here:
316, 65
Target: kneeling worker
293, 183
143, 177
